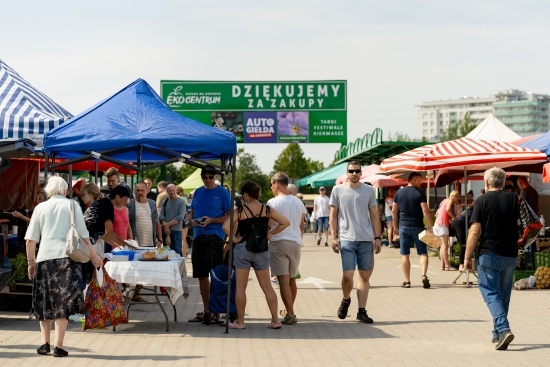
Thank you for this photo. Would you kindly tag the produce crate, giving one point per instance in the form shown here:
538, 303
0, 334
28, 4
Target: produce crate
542, 259
521, 274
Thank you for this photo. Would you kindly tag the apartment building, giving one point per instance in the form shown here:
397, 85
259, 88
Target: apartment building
435, 117
525, 113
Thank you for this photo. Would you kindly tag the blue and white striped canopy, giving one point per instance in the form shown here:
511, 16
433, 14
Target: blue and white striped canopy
24, 110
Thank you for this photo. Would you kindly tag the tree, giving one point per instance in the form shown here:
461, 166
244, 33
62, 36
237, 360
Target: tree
292, 162
248, 170
176, 173
459, 129
399, 136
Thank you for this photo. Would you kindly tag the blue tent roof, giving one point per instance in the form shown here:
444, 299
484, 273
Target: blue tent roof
135, 125
541, 143
24, 109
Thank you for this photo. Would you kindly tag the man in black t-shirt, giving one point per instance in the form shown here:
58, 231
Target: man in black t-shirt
409, 210
494, 224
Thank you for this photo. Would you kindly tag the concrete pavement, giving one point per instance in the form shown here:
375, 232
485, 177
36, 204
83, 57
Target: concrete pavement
447, 325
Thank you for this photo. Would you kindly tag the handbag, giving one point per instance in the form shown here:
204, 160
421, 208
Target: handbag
529, 224
103, 304
429, 239
75, 246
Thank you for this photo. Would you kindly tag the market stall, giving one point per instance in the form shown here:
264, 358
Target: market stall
135, 129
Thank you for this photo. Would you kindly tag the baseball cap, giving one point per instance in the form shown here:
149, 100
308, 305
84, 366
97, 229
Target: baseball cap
322, 188
208, 169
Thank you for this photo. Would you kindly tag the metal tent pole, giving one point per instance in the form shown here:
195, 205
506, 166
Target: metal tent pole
231, 231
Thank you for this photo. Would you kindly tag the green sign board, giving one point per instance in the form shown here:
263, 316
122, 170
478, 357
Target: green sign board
265, 112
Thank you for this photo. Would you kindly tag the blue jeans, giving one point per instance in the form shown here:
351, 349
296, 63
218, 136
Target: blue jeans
496, 277
322, 224
357, 252
176, 241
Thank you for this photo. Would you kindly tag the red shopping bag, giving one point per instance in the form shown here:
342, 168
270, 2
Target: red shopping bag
103, 304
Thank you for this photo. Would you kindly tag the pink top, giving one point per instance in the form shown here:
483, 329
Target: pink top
443, 218
121, 223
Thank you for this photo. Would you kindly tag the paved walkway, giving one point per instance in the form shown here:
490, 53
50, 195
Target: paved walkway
447, 325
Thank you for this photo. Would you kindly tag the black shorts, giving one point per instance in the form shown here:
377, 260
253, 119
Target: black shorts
207, 253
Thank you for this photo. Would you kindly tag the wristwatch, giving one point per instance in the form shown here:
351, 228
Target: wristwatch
377, 238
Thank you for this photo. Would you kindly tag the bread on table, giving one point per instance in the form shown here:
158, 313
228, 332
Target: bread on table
149, 255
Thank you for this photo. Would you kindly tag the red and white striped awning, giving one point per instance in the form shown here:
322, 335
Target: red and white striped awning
462, 153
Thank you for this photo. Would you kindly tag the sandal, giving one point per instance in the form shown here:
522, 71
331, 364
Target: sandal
234, 325
406, 285
198, 317
272, 325
450, 268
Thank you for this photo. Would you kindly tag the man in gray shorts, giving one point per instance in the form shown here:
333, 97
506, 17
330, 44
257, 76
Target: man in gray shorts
356, 234
285, 248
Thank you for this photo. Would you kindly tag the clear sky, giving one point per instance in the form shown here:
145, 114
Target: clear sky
394, 53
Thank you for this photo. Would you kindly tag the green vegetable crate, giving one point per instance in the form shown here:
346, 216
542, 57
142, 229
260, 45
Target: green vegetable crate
521, 274
542, 259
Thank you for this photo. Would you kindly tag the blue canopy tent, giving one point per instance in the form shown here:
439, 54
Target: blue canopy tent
133, 127
325, 177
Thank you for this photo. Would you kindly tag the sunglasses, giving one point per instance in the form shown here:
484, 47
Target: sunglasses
210, 177
352, 171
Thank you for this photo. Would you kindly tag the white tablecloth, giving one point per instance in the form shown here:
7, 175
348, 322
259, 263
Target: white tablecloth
171, 274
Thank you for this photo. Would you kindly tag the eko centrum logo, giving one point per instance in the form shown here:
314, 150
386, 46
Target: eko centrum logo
176, 99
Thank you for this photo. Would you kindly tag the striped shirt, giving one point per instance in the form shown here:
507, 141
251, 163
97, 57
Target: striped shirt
144, 231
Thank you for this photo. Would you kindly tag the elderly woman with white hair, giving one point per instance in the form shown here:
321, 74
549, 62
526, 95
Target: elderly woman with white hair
57, 280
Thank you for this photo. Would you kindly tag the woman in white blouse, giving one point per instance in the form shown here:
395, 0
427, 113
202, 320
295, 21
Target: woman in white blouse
57, 280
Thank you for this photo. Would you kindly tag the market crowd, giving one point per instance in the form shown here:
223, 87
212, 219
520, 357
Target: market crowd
267, 238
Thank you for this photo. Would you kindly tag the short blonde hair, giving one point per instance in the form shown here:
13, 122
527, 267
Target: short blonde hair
56, 186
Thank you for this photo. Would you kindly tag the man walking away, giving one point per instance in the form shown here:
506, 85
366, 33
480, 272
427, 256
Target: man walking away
409, 206
356, 234
494, 224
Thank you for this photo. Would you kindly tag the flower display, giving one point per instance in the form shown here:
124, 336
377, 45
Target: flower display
293, 123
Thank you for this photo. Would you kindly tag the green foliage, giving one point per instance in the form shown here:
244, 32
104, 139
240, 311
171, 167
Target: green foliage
248, 170
399, 136
459, 129
151, 174
19, 269
294, 164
